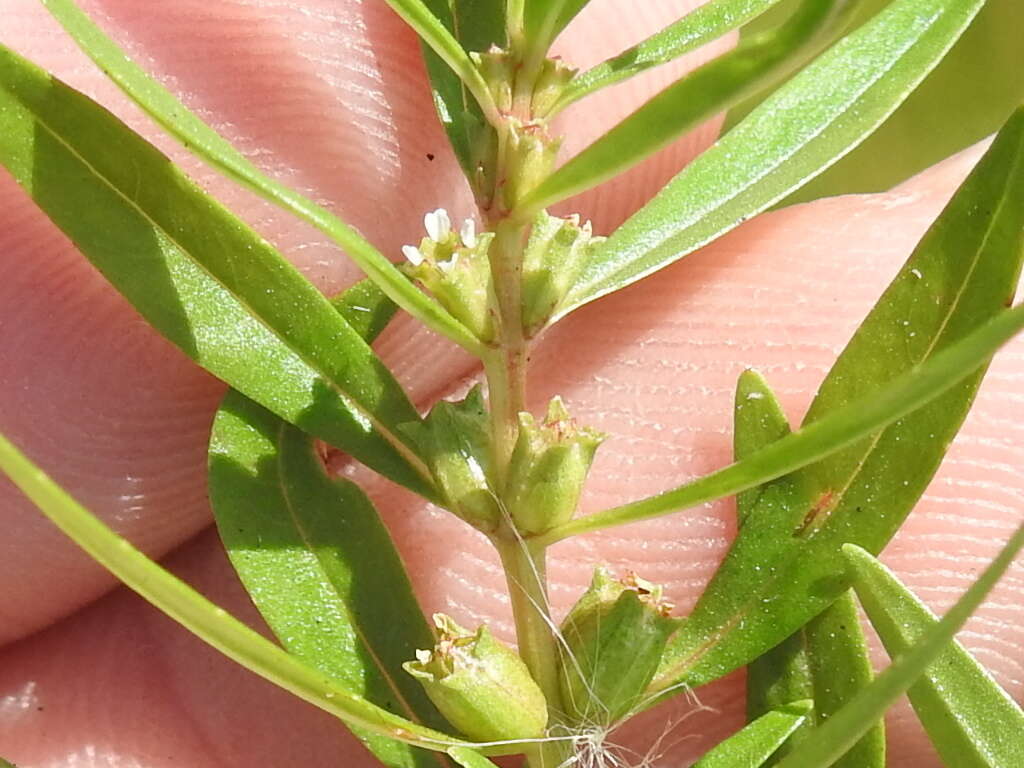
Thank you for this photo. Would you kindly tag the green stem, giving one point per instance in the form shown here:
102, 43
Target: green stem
515, 23
506, 366
525, 572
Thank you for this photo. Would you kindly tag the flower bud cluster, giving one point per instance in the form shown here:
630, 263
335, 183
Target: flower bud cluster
454, 267
614, 636
480, 684
525, 144
556, 253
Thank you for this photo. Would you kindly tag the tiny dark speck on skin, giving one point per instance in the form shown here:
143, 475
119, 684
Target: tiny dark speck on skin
430, 155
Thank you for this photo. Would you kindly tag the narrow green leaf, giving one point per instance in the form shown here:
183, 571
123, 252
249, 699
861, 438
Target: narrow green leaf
689, 101
980, 81
755, 743
319, 565
436, 34
809, 444
816, 118
970, 720
207, 621
962, 273
204, 142
844, 728
469, 758
199, 275
827, 660
699, 27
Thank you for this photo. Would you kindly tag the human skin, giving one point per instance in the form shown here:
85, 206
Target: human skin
330, 96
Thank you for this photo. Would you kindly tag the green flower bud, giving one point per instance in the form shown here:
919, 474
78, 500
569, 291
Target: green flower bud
455, 268
480, 685
547, 470
532, 151
556, 252
454, 439
498, 72
555, 75
615, 636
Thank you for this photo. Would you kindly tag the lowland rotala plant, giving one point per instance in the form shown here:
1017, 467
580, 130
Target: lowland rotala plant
814, 504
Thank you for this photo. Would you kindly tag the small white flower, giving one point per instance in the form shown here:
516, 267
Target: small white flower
437, 224
413, 254
448, 265
468, 233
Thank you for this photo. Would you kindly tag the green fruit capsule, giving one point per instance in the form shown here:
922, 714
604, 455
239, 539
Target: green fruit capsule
480, 685
615, 636
549, 465
555, 254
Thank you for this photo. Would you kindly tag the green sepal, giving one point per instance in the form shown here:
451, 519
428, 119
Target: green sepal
555, 254
614, 638
454, 440
480, 684
548, 468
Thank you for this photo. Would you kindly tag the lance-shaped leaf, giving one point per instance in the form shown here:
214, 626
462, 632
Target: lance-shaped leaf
970, 720
315, 557
198, 274
814, 442
754, 744
689, 101
843, 729
207, 621
819, 116
319, 565
980, 81
207, 144
963, 272
825, 661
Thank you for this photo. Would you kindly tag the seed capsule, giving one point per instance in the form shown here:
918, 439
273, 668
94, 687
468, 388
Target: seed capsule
480, 685
615, 636
555, 254
548, 468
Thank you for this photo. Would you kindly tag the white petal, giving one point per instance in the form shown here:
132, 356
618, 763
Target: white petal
447, 266
437, 224
468, 233
413, 254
